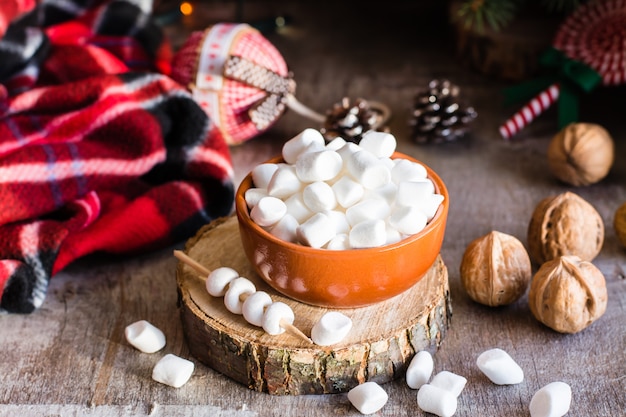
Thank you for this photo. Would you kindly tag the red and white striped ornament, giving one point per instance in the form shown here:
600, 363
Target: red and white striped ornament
594, 34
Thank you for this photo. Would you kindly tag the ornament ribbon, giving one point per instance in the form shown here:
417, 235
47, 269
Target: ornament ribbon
571, 77
278, 88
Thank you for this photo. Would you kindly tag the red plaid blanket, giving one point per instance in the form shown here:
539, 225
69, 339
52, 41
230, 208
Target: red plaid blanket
99, 149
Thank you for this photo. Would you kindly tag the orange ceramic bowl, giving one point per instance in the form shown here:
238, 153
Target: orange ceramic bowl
344, 278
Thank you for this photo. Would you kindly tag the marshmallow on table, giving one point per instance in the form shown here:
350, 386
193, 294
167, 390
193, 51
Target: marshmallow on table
450, 382
172, 370
144, 336
274, 314
218, 280
552, 400
381, 144
236, 289
254, 307
436, 400
499, 367
331, 328
368, 397
419, 370
306, 141
368, 234
268, 211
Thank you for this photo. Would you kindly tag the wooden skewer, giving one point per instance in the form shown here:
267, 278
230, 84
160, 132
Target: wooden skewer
204, 272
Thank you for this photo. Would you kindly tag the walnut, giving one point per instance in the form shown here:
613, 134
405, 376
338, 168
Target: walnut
565, 224
581, 154
495, 269
567, 294
619, 223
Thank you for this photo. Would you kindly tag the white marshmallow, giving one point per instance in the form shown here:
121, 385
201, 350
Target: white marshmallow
450, 382
346, 150
405, 170
393, 235
347, 191
144, 336
331, 328
254, 307
367, 169
237, 289
381, 144
316, 231
372, 208
319, 196
436, 400
339, 220
274, 314
336, 144
499, 367
411, 193
218, 280
307, 140
368, 234
387, 192
253, 195
431, 205
262, 174
284, 182
172, 370
297, 208
407, 220
268, 211
339, 242
419, 370
318, 166
285, 229
552, 400
368, 397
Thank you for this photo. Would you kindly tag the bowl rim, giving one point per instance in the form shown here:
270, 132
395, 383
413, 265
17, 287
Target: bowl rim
243, 213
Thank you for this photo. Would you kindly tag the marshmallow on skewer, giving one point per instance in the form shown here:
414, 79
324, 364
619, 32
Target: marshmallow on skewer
274, 316
238, 290
144, 336
217, 280
368, 397
499, 367
331, 328
254, 307
419, 370
172, 370
552, 400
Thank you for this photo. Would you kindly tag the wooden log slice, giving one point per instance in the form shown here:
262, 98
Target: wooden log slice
383, 339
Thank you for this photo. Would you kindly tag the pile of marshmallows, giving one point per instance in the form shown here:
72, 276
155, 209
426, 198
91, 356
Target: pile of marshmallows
341, 195
439, 396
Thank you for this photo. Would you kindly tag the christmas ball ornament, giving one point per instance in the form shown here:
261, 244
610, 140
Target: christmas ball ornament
239, 78
438, 114
589, 49
581, 154
352, 120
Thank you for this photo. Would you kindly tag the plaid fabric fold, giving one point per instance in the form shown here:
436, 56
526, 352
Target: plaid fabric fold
99, 149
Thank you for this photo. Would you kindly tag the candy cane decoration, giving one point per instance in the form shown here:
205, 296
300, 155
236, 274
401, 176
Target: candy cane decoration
530, 111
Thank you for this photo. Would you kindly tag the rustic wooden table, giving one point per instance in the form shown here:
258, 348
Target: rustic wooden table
70, 357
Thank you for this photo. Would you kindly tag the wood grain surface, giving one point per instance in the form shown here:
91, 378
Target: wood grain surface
70, 357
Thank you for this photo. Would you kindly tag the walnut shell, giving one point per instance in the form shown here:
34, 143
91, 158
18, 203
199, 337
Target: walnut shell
581, 154
567, 294
565, 224
495, 269
619, 223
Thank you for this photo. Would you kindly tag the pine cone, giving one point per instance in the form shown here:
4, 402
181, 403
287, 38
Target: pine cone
438, 116
350, 121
